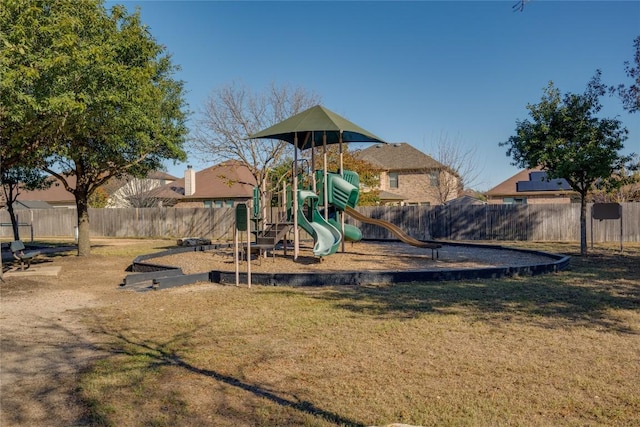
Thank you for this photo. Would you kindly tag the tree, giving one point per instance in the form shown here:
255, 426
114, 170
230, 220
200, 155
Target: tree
99, 198
519, 5
367, 173
622, 187
461, 170
87, 96
233, 112
566, 139
630, 96
279, 176
16, 179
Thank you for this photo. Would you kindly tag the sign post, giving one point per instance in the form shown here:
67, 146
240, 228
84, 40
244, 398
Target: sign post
242, 224
601, 211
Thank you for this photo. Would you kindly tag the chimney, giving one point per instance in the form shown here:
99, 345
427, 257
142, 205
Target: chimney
189, 181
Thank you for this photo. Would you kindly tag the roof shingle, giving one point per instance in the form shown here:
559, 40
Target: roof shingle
398, 156
230, 179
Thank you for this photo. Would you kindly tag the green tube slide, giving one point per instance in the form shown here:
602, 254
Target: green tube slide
351, 232
326, 237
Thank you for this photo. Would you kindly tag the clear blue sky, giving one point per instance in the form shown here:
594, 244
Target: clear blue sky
406, 71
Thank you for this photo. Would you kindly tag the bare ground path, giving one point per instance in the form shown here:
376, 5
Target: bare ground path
44, 341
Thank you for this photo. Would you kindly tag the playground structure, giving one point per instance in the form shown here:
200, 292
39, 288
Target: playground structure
321, 214
314, 128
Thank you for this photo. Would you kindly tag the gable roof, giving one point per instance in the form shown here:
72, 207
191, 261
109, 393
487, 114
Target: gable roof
55, 194
116, 184
530, 182
398, 156
230, 179
465, 200
389, 196
31, 204
161, 175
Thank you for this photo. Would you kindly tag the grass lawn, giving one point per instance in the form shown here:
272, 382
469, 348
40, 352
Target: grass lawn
552, 350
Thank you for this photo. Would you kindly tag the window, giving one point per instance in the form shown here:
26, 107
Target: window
218, 203
434, 178
514, 200
393, 179
208, 203
229, 203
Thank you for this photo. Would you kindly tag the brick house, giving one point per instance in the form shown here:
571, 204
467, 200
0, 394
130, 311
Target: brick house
221, 185
410, 177
531, 186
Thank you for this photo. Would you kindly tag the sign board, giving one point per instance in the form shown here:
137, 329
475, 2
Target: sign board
606, 211
602, 211
241, 217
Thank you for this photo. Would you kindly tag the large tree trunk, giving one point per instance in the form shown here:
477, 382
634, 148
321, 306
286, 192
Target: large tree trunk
583, 224
84, 237
14, 221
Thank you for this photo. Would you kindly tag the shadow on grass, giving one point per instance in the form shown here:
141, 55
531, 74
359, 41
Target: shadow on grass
158, 355
587, 294
24, 397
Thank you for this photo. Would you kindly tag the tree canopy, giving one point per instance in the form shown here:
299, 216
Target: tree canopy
630, 95
565, 138
86, 95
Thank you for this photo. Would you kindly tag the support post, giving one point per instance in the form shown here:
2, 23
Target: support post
248, 234
243, 223
341, 216
296, 234
621, 237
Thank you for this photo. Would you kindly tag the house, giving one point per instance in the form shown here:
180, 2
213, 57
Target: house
531, 186
410, 177
121, 191
133, 192
56, 195
464, 201
222, 185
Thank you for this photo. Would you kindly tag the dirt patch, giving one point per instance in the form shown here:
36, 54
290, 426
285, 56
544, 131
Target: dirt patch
44, 340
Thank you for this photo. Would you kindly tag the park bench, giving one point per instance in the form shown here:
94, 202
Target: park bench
20, 255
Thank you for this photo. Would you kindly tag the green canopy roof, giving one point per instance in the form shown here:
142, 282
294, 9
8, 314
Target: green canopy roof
310, 125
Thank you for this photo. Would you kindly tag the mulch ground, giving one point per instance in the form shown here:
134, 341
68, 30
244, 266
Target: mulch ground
361, 256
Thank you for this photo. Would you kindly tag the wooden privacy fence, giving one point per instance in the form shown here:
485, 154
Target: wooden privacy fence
485, 222
549, 222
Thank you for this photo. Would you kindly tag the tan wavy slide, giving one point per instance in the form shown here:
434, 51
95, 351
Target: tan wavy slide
392, 228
